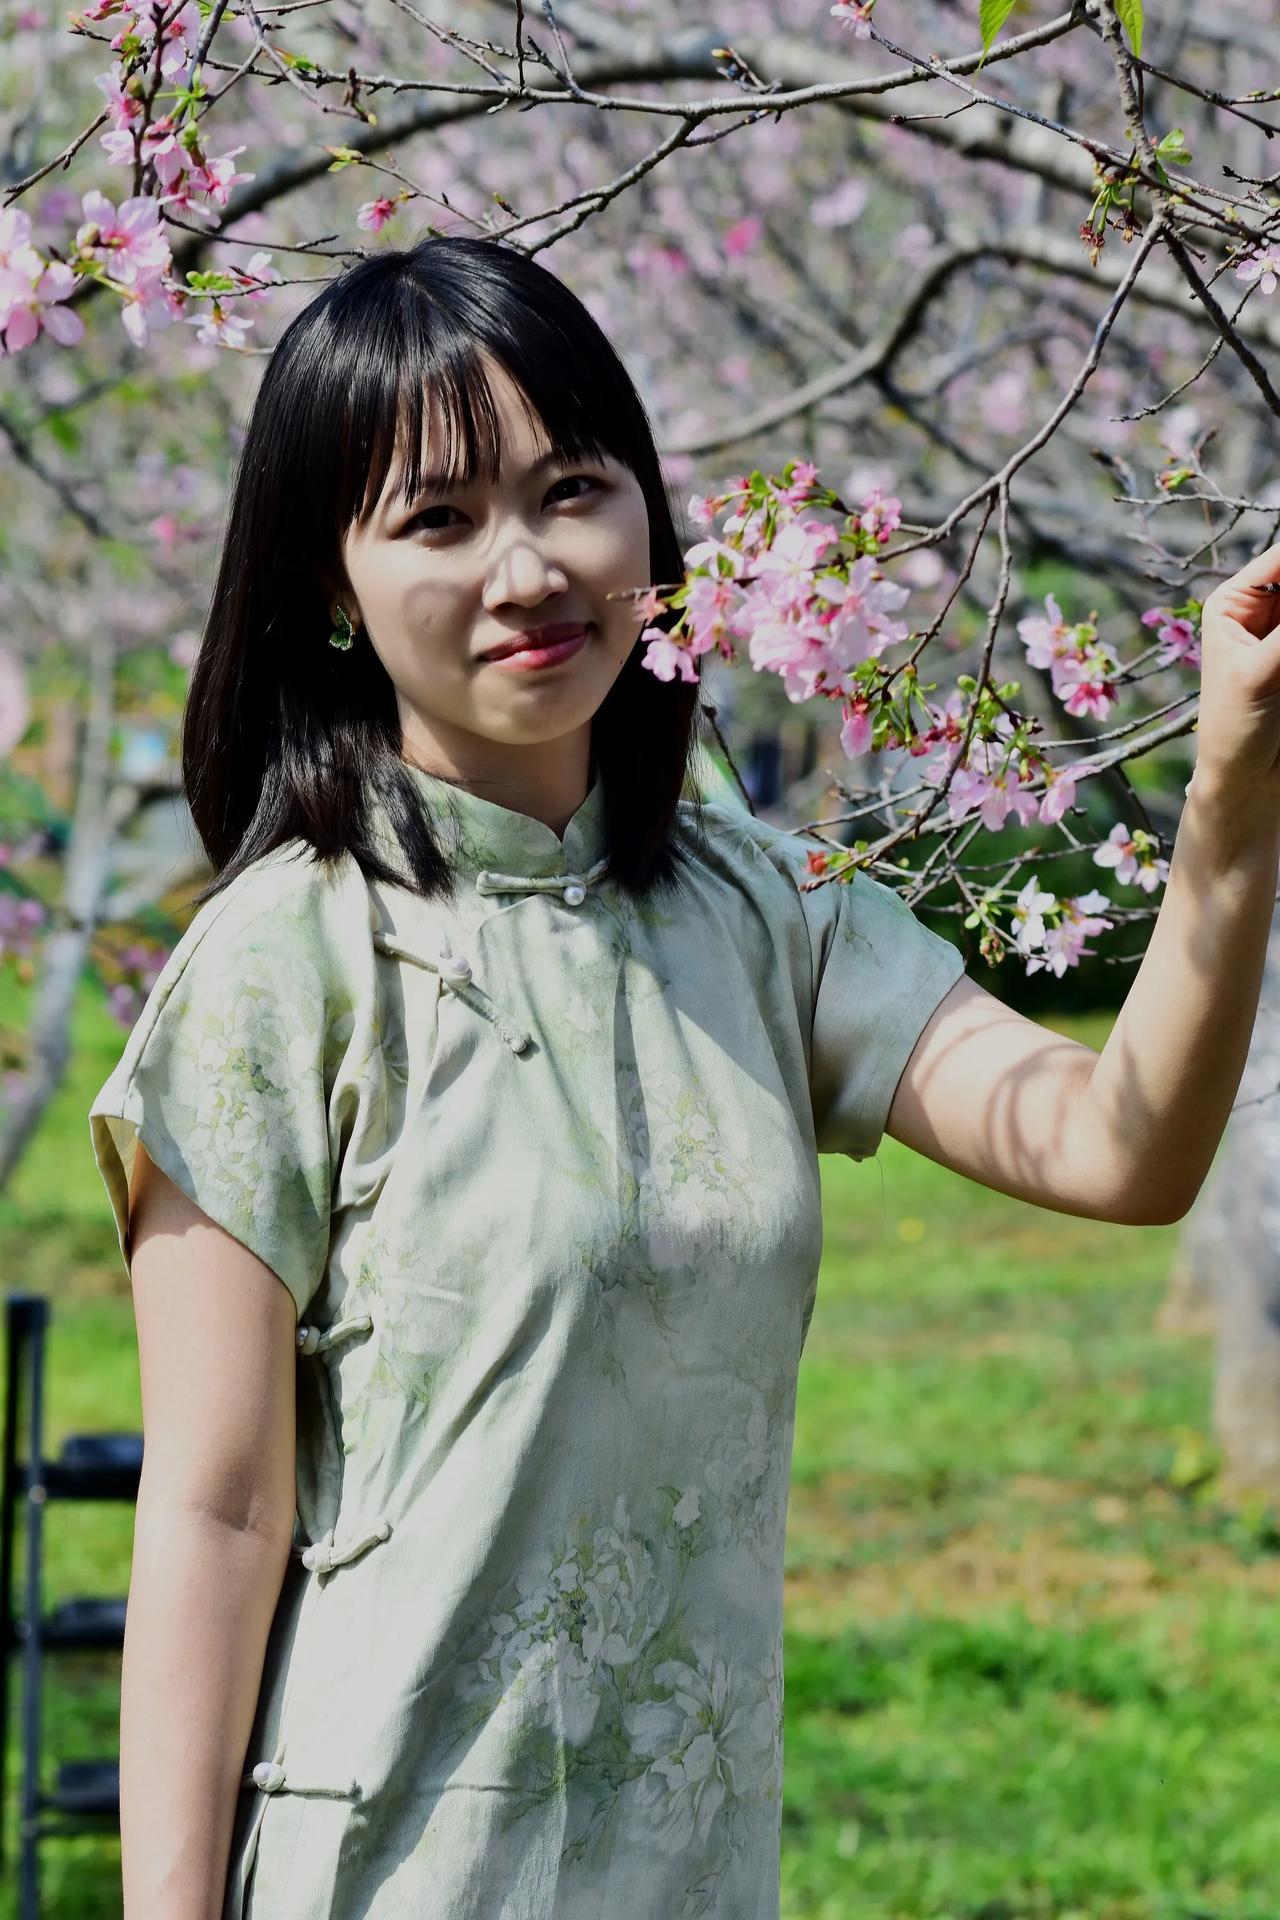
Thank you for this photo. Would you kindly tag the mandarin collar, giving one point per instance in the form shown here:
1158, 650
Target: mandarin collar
477, 835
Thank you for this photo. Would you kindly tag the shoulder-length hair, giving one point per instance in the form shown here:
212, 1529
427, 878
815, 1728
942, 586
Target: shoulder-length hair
286, 737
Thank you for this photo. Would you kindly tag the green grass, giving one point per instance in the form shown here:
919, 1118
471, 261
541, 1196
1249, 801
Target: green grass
1026, 1678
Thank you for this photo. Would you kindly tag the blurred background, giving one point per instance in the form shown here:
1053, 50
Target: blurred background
1034, 1543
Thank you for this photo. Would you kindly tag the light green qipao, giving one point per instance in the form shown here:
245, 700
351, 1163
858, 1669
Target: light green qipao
539, 1169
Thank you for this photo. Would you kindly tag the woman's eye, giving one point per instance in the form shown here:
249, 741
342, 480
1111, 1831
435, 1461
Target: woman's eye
423, 519
572, 478
419, 518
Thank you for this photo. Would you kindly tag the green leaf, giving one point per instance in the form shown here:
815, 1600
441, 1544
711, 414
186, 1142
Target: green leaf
1173, 147
992, 15
64, 430
1129, 14
1195, 1461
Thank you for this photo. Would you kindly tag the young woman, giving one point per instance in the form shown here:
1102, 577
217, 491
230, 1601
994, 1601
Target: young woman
465, 1160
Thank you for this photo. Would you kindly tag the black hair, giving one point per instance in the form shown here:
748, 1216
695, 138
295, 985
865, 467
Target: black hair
284, 736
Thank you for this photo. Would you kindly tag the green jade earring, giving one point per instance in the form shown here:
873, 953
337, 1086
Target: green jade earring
343, 633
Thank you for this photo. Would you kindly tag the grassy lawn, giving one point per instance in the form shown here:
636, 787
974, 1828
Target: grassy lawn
1027, 1679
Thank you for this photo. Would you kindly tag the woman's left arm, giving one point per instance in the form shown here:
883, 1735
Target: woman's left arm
1130, 1134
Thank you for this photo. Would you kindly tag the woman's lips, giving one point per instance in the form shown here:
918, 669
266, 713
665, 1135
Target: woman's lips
528, 658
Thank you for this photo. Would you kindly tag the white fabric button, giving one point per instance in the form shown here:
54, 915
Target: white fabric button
455, 969
317, 1553
268, 1775
308, 1339
574, 894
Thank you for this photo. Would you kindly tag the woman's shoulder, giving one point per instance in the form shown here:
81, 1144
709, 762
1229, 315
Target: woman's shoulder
287, 908
733, 839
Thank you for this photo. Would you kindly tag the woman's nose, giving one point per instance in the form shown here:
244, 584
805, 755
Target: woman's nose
520, 571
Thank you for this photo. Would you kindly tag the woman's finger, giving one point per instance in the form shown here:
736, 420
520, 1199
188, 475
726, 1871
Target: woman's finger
1242, 597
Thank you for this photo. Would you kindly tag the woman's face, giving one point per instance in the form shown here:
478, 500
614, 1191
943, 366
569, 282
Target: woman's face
440, 581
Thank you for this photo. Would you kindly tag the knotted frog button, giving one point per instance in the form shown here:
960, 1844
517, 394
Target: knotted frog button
574, 893
454, 969
268, 1775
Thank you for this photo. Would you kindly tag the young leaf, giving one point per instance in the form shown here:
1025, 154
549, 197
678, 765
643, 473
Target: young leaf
1129, 14
992, 15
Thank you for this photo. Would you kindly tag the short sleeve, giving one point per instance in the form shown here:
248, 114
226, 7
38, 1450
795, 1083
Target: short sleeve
879, 975
223, 1079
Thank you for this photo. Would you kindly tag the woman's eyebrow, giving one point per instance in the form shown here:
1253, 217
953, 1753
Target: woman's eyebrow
433, 482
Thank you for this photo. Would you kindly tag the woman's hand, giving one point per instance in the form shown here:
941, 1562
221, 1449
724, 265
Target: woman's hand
1238, 734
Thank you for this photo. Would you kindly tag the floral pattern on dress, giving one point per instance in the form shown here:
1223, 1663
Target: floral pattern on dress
710, 1745
588, 1676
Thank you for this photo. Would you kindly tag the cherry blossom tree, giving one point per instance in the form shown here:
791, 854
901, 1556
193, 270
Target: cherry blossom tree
955, 322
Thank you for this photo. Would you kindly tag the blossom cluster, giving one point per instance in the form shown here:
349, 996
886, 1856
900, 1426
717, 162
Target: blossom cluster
1081, 666
125, 248
807, 600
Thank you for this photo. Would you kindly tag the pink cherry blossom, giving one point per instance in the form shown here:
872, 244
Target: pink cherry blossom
16, 249
1064, 944
717, 554
710, 608
218, 327
218, 175
860, 627
855, 734
842, 205
798, 548
748, 530
257, 276
1004, 397
657, 262
879, 515
804, 473
131, 244
150, 304
990, 792
649, 605
1262, 265
179, 39
1088, 688
743, 236
1132, 867
1029, 909
1181, 641
1059, 795
855, 14
162, 147
665, 657
796, 652
168, 531
374, 214
28, 307
120, 146
1046, 638
122, 108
